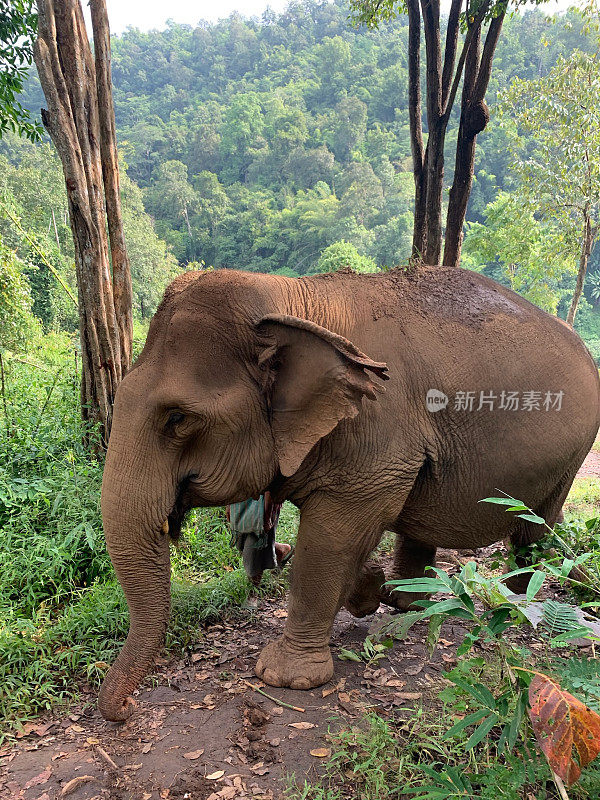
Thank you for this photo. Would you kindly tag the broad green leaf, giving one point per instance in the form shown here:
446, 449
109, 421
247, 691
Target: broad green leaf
482, 731
471, 719
532, 518
535, 584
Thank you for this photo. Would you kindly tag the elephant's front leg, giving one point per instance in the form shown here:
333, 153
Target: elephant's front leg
333, 542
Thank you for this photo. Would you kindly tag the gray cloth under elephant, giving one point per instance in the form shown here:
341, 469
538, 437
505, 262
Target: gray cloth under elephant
253, 524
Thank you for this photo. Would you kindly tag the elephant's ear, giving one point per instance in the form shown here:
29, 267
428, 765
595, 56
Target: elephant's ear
313, 379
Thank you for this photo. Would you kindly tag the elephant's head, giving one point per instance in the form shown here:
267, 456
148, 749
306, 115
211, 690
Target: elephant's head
224, 396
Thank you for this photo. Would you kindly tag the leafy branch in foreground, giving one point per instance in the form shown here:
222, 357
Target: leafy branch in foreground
500, 714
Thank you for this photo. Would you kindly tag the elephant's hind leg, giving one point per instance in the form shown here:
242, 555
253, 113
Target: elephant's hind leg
411, 559
527, 533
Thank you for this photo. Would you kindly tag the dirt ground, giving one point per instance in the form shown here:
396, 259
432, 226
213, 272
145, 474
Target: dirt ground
202, 732
591, 466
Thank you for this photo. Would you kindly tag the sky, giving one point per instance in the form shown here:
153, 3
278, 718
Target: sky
148, 14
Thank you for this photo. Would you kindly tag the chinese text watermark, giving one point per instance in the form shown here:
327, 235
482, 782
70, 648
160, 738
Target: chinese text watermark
530, 400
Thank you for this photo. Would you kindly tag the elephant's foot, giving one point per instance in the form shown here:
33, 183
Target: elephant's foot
281, 664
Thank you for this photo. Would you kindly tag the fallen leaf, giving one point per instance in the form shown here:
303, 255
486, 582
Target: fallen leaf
302, 726
338, 688
75, 729
409, 695
193, 755
561, 722
74, 784
214, 776
396, 683
27, 729
147, 747
42, 730
91, 740
414, 669
277, 710
39, 779
321, 752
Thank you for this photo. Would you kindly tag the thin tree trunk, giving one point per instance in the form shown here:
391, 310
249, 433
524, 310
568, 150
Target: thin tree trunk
67, 74
122, 290
434, 153
473, 119
416, 126
443, 80
587, 241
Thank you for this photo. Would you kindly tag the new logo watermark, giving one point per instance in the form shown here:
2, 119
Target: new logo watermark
529, 400
436, 400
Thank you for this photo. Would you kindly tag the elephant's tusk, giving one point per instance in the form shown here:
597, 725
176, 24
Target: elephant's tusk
165, 527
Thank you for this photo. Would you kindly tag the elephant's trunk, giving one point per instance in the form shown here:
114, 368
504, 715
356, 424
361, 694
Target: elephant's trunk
139, 550
145, 578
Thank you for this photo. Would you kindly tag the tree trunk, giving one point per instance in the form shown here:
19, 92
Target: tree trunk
587, 242
443, 80
416, 127
474, 117
68, 77
122, 290
434, 153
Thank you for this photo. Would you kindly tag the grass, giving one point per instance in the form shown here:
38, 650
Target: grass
382, 759
583, 501
63, 616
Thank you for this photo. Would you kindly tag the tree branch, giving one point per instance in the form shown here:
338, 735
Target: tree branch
450, 48
483, 9
489, 48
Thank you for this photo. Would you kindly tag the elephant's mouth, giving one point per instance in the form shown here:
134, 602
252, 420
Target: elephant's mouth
180, 508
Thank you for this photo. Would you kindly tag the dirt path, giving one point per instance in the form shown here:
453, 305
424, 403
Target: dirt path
201, 733
591, 466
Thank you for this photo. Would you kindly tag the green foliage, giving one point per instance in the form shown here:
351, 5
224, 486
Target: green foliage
32, 190
18, 26
343, 255
554, 128
535, 258
17, 324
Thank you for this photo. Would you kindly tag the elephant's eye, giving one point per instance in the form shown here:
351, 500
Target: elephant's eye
175, 417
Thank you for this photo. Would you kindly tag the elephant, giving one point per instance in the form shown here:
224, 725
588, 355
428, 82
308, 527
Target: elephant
383, 402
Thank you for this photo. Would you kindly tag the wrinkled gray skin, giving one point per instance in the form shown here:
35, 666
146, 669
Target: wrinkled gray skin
235, 392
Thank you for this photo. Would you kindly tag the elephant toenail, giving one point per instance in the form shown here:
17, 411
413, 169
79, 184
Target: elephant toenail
300, 683
272, 678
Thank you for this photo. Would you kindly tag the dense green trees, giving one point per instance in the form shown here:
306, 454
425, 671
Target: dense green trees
257, 144
18, 24
32, 189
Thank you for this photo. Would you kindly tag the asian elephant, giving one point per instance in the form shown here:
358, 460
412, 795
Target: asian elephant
393, 401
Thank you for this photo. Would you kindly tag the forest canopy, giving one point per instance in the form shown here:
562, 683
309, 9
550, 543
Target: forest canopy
259, 143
